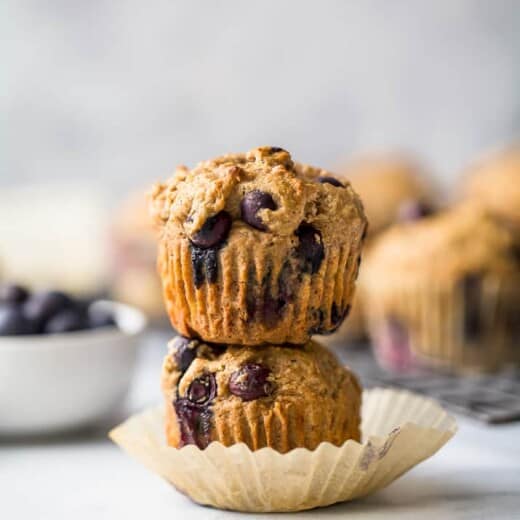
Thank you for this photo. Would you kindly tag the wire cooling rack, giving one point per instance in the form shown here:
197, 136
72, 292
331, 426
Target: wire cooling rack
489, 398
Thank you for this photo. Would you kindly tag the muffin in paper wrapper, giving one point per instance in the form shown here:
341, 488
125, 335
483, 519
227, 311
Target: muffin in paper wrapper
400, 429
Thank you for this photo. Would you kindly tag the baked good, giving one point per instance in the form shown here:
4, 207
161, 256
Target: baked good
133, 248
494, 181
445, 291
393, 188
277, 396
255, 249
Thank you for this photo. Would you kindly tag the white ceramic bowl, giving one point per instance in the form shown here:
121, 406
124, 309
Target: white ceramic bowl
59, 382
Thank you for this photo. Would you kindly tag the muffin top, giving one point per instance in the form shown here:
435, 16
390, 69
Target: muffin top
447, 246
385, 183
262, 191
494, 181
218, 379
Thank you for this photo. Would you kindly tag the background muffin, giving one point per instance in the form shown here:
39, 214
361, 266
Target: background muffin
494, 181
133, 248
281, 397
255, 249
445, 291
392, 187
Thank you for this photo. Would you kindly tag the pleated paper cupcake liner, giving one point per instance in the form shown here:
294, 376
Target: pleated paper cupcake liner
400, 430
461, 327
250, 296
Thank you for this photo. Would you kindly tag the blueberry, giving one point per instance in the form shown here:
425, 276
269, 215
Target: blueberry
204, 264
411, 210
276, 149
41, 306
183, 352
11, 293
252, 203
310, 249
472, 319
250, 382
214, 231
330, 180
202, 390
99, 317
13, 322
194, 423
67, 320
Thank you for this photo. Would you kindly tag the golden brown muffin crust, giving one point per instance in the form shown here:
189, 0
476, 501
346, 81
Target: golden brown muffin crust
301, 396
384, 182
494, 181
255, 249
184, 203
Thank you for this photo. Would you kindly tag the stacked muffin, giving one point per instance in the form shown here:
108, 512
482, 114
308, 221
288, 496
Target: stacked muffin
256, 254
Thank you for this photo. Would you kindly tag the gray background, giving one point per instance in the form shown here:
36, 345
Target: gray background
118, 92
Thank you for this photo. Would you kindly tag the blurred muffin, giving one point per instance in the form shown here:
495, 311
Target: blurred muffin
255, 249
280, 397
388, 186
494, 181
134, 258
445, 291
391, 188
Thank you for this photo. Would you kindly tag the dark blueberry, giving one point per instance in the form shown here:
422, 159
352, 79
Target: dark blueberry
265, 309
182, 353
41, 306
310, 250
330, 180
413, 210
204, 264
11, 293
67, 320
252, 203
202, 390
214, 231
13, 322
99, 317
276, 149
250, 382
471, 290
260, 302
194, 423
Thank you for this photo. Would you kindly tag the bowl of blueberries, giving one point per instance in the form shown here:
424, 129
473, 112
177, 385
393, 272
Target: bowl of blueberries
65, 362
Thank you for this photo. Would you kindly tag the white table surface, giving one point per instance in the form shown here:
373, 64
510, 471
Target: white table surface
86, 477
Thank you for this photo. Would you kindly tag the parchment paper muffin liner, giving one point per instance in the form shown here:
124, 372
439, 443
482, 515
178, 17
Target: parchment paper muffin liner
463, 327
400, 430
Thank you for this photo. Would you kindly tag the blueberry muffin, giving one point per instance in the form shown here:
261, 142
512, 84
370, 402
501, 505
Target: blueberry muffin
276, 396
494, 181
445, 292
393, 188
133, 255
255, 249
